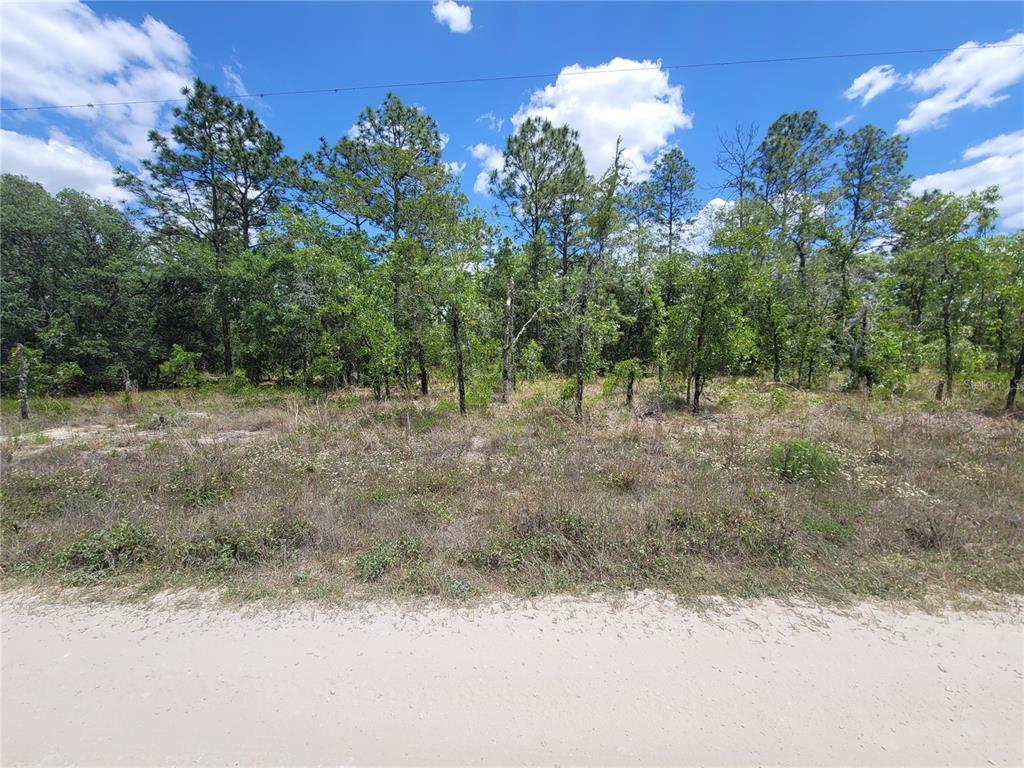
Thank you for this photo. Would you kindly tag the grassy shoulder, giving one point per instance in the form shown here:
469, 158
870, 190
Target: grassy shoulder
268, 493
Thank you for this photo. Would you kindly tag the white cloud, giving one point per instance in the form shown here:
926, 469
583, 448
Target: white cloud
457, 17
968, 77
491, 159
57, 164
1002, 163
57, 54
973, 75
1004, 144
234, 80
872, 83
603, 104
695, 235
455, 167
493, 122
843, 121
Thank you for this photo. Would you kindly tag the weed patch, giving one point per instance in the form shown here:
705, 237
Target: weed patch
219, 545
383, 555
201, 484
109, 549
799, 458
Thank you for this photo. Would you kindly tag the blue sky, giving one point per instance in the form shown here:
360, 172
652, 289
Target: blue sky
963, 112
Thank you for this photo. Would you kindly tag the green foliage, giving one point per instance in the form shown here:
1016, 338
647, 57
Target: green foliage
778, 399
122, 545
383, 555
762, 535
621, 480
181, 369
363, 265
218, 545
203, 483
799, 458
43, 377
835, 525
563, 538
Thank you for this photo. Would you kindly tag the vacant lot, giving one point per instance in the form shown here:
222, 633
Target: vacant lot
329, 496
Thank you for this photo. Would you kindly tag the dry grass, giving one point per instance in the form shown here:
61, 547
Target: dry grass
276, 493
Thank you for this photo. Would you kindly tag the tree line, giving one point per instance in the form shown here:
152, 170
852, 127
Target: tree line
362, 264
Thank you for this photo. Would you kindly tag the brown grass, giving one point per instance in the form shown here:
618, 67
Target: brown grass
334, 495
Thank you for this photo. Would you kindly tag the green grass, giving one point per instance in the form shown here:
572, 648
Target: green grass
801, 459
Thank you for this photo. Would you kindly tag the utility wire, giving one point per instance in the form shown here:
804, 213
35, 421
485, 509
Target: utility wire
504, 78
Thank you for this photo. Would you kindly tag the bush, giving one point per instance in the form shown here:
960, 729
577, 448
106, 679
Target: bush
778, 399
109, 549
202, 484
563, 538
799, 458
221, 545
623, 480
763, 535
383, 555
44, 378
932, 532
180, 370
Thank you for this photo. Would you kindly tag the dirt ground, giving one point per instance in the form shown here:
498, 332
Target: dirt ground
562, 681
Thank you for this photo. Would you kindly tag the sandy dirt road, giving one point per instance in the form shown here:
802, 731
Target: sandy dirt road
556, 682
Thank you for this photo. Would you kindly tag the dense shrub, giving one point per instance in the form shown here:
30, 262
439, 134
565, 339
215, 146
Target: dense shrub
181, 369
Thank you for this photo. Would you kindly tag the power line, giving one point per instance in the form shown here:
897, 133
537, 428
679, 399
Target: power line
503, 78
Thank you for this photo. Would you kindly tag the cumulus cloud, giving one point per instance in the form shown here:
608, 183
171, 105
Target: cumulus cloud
491, 159
1001, 161
455, 167
872, 83
459, 18
58, 54
631, 99
57, 164
695, 235
55, 54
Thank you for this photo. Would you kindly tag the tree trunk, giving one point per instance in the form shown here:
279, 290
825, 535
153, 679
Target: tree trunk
630, 379
1018, 368
535, 248
127, 389
225, 336
698, 389
460, 369
580, 351
1001, 338
23, 383
421, 359
947, 344
506, 343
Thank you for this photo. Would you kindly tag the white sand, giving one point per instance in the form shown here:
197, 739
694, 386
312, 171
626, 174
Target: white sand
554, 682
